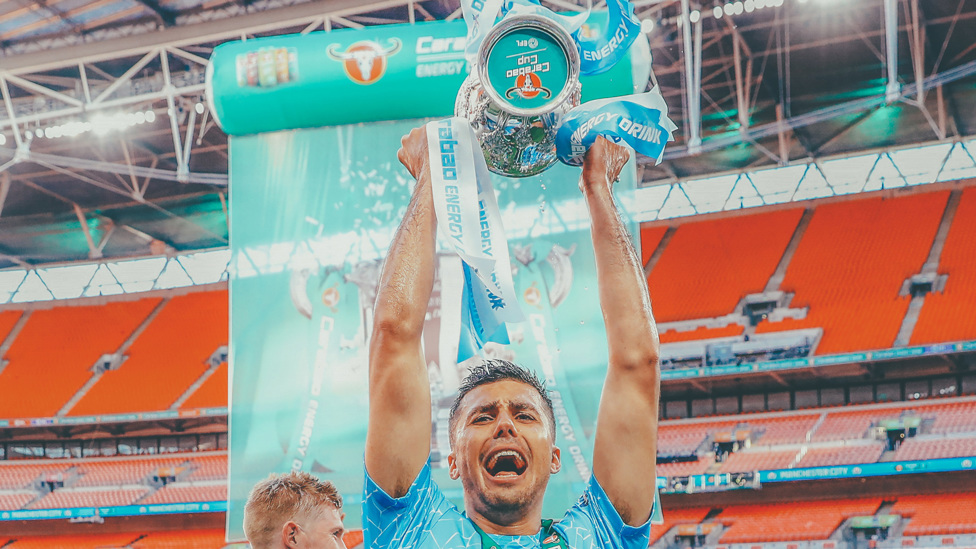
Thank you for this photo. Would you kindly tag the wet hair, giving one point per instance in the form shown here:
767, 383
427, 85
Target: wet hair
491, 371
277, 499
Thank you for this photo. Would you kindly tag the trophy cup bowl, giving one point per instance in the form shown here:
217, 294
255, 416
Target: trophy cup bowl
526, 78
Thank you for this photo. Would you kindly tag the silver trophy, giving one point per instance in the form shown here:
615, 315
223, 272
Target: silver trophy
525, 79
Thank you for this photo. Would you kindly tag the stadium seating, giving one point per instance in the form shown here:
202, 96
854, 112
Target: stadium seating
683, 438
757, 461
675, 517
121, 472
790, 429
851, 264
185, 492
7, 321
938, 514
948, 316
805, 520
15, 500
71, 497
854, 424
91, 541
186, 333
672, 336
684, 468
650, 239
184, 539
708, 266
212, 393
935, 448
951, 418
208, 468
83, 334
14, 476
842, 455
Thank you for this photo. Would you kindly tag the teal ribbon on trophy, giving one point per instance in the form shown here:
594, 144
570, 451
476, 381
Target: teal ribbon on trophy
521, 105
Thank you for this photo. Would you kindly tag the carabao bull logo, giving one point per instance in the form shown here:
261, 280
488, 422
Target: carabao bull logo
528, 86
365, 61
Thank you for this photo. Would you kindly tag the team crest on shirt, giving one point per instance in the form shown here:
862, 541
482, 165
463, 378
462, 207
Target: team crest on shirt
330, 297
551, 539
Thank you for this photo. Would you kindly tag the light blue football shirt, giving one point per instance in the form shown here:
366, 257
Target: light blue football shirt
425, 519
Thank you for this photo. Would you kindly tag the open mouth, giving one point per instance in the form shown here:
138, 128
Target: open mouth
506, 464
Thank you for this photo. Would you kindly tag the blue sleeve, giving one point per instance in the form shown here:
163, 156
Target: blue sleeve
403, 521
594, 523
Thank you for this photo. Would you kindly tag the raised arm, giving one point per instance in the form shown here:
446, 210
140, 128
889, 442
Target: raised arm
625, 448
398, 437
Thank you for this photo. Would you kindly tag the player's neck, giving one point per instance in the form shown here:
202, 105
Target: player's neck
524, 522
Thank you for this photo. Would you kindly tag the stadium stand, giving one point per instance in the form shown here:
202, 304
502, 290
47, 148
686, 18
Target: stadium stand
8, 319
186, 492
791, 429
74, 497
951, 418
938, 514
676, 517
854, 424
673, 336
851, 285
208, 468
758, 461
186, 539
742, 253
16, 500
684, 438
84, 333
15, 476
650, 239
842, 455
685, 468
935, 448
810, 520
947, 316
148, 381
91, 541
212, 393
121, 472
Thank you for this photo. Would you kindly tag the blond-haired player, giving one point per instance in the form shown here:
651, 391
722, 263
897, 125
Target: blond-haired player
294, 511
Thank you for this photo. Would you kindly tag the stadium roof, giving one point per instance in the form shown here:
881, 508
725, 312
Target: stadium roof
791, 82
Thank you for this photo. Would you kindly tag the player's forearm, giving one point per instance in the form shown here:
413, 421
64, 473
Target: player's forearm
631, 333
408, 273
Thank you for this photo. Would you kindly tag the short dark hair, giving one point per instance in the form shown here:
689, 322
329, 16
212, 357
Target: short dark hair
490, 371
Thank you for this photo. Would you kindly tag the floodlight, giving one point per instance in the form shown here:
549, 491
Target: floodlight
695, 16
717, 12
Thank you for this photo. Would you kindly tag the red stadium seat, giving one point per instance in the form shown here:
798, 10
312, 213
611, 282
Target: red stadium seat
842, 455
938, 514
796, 521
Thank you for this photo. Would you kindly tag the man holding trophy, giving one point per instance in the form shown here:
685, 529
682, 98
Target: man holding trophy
515, 105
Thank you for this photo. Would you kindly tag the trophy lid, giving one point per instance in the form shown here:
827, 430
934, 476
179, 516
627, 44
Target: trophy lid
528, 65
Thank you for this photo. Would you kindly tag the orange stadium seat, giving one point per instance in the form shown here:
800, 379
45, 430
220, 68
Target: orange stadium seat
672, 336
91, 541
65, 342
853, 424
935, 448
676, 517
951, 418
650, 239
70, 497
684, 438
187, 493
212, 394
208, 468
14, 476
7, 321
758, 461
948, 316
166, 358
183, 539
684, 468
790, 429
851, 264
938, 514
805, 520
120, 472
842, 455
708, 266
15, 500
